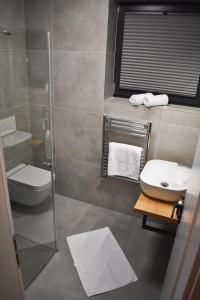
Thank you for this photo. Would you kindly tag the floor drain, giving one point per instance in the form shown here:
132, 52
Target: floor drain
164, 184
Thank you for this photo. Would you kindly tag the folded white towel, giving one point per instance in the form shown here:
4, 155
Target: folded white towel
156, 100
124, 160
139, 99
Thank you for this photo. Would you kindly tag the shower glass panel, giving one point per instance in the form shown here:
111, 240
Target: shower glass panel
25, 129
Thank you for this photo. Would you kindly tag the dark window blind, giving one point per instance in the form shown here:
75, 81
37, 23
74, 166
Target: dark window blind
161, 53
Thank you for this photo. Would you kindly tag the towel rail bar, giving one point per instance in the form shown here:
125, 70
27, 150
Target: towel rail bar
124, 127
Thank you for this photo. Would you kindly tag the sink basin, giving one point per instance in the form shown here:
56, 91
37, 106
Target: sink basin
165, 180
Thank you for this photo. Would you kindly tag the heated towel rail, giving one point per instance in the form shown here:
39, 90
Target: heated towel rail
123, 127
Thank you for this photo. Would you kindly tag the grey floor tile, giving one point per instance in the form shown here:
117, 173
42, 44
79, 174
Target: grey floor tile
32, 257
148, 253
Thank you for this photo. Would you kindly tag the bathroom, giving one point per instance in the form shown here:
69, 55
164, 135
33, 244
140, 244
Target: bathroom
60, 84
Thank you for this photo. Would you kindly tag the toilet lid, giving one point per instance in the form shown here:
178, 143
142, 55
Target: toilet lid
32, 177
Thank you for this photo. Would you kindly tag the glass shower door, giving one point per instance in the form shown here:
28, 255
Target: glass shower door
26, 135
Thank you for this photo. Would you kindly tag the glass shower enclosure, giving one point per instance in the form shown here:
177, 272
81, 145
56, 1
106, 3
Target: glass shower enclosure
26, 138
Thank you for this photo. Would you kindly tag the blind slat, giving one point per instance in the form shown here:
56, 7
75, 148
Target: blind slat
161, 53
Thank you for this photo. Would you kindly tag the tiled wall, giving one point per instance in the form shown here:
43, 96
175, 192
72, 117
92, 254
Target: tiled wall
174, 128
13, 74
79, 33
83, 55
38, 21
79, 42
110, 49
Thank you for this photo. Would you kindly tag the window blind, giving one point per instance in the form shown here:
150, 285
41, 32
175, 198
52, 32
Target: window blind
161, 53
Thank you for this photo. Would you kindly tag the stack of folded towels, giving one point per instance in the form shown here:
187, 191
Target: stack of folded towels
148, 99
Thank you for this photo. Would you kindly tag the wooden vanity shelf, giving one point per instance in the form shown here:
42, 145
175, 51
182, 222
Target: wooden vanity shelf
156, 209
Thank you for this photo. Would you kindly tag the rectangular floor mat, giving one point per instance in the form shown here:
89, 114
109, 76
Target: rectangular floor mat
100, 262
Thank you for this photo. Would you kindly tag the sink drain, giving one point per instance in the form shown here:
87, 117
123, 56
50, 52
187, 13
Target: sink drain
164, 184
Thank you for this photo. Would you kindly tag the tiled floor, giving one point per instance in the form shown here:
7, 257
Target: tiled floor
33, 257
147, 252
34, 232
34, 223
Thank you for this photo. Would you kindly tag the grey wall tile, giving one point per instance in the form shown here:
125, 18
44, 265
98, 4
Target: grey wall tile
77, 134
2, 114
37, 120
80, 25
37, 40
154, 140
38, 96
25, 158
39, 21
22, 117
177, 143
37, 68
38, 16
79, 80
119, 195
109, 75
181, 117
13, 77
111, 26
2, 106
12, 19
39, 156
10, 153
77, 179
121, 108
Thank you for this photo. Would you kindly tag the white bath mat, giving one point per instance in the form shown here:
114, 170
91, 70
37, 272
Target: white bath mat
100, 262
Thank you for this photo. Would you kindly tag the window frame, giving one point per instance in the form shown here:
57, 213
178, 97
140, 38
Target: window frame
150, 9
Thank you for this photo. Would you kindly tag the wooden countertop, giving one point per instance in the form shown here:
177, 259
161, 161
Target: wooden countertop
155, 208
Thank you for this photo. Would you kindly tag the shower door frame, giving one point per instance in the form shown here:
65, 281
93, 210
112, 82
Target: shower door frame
50, 98
12, 276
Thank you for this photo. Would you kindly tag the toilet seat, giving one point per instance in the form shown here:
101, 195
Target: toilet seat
29, 176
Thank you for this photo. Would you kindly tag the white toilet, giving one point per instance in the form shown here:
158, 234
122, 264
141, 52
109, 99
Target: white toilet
29, 185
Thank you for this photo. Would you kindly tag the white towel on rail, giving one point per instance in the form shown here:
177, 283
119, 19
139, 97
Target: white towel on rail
124, 160
156, 100
139, 98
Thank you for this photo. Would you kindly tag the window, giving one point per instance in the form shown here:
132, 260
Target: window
158, 50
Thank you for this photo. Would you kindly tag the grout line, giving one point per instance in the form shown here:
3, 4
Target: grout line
76, 109
69, 157
14, 49
17, 106
79, 51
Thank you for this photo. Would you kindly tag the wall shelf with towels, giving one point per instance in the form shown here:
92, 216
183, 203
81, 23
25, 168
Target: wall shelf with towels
113, 127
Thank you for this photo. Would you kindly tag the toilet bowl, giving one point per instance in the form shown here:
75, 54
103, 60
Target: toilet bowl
28, 185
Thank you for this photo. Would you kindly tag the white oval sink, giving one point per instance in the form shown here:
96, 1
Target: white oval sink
165, 180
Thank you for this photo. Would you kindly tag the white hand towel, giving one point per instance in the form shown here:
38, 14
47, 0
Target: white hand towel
139, 99
156, 100
124, 160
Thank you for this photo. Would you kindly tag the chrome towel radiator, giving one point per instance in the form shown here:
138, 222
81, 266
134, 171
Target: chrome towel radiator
123, 127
